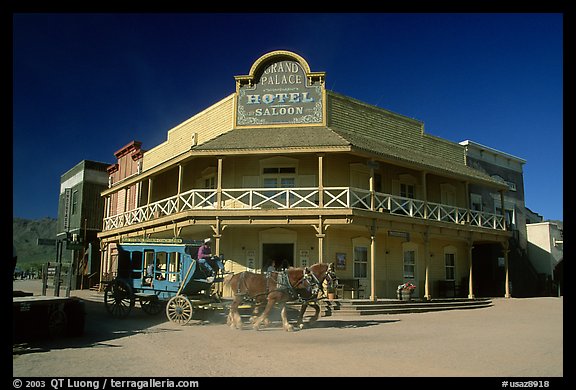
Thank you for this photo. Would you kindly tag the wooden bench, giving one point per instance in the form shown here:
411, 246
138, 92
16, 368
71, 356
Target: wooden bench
352, 285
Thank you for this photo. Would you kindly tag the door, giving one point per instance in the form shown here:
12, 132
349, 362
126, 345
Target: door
282, 254
410, 265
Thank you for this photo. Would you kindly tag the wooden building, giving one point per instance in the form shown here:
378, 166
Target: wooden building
283, 169
80, 208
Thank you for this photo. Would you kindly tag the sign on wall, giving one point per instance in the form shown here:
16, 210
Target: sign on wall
280, 91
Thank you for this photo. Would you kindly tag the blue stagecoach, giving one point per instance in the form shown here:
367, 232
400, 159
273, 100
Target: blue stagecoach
162, 274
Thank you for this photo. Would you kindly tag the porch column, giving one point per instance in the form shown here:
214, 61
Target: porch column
372, 261
427, 265
180, 177
219, 185
103, 254
470, 286
467, 191
217, 229
507, 281
149, 199
502, 208
320, 235
372, 165
321, 180
425, 194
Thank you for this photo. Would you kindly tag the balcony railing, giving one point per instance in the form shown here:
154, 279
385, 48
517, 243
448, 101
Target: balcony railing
304, 198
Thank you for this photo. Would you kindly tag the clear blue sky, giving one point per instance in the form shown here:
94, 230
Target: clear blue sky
87, 84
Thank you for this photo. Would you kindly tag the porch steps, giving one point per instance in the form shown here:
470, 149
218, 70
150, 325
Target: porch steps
343, 307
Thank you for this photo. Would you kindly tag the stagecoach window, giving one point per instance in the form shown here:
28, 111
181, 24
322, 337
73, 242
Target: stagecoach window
161, 263
148, 261
137, 265
174, 267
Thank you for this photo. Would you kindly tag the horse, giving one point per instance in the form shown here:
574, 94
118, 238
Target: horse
319, 272
276, 287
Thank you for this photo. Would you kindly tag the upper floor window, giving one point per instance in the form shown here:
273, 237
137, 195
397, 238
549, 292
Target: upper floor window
279, 177
74, 202
407, 190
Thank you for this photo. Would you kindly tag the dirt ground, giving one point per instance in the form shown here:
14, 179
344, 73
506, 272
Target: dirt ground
513, 338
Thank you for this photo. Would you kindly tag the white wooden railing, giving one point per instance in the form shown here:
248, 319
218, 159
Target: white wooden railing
304, 198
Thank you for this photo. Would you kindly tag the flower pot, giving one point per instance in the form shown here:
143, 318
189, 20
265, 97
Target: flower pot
406, 295
331, 295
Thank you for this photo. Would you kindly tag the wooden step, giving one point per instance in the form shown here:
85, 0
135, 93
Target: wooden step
365, 307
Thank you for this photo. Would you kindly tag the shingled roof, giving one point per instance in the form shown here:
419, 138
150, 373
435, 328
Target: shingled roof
355, 126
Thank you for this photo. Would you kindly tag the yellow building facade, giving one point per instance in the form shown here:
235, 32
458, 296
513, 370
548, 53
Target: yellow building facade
286, 170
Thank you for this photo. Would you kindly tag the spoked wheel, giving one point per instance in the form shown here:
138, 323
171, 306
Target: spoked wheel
119, 299
179, 310
151, 306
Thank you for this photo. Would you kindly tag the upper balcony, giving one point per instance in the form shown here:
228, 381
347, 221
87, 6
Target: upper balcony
306, 198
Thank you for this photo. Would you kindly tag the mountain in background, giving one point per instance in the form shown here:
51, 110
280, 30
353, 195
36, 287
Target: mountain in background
25, 233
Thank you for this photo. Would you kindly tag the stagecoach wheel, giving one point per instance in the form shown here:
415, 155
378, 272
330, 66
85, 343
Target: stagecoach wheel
179, 310
151, 306
119, 299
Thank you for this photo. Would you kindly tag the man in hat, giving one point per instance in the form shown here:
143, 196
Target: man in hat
204, 253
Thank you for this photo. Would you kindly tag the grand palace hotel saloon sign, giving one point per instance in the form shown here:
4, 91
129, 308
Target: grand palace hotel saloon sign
284, 170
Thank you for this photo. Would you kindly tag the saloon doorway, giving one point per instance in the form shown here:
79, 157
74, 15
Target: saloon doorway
282, 253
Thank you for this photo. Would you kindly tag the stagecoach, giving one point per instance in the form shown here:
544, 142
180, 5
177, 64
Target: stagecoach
162, 274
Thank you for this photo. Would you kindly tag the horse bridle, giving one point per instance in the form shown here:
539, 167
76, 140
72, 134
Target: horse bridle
316, 284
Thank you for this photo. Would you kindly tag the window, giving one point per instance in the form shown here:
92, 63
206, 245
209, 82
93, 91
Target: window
475, 202
279, 177
407, 190
409, 264
360, 261
450, 261
74, 202
210, 182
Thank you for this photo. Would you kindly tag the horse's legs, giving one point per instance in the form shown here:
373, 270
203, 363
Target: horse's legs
285, 324
300, 323
264, 315
316, 307
234, 320
255, 312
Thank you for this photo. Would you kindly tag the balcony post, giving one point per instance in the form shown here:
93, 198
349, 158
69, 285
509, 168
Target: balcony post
372, 165
425, 194
502, 212
320, 180
467, 191
149, 198
180, 177
219, 185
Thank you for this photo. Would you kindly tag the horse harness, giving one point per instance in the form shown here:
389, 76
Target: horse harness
282, 280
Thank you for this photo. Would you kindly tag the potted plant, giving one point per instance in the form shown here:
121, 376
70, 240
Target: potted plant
404, 291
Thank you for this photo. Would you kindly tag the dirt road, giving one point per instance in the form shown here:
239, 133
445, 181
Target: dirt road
514, 338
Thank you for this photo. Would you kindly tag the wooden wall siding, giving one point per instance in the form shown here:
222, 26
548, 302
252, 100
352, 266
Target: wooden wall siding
210, 123
354, 116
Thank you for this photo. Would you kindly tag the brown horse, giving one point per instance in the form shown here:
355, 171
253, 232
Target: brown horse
319, 273
276, 287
